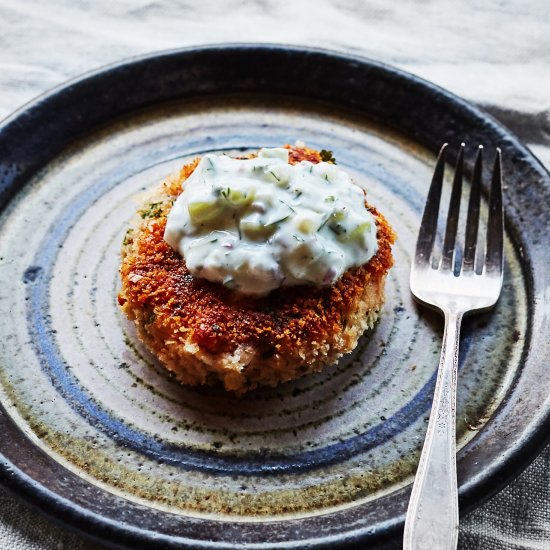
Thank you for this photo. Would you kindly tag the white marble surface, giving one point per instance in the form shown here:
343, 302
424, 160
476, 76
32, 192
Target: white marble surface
495, 53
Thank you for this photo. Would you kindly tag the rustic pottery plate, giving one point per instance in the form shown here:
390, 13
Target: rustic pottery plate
99, 437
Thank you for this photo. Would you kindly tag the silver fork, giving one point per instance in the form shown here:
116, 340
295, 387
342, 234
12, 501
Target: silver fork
472, 286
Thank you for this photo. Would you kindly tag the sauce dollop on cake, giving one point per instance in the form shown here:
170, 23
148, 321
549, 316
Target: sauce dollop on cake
258, 224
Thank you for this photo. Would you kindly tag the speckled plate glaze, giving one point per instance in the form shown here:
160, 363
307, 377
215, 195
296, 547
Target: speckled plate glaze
96, 433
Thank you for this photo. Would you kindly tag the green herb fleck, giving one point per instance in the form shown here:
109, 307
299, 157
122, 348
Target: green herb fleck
127, 238
324, 223
337, 228
327, 156
288, 206
278, 179
154, 210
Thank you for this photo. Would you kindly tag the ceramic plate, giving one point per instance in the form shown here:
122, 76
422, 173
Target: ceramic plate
96, 433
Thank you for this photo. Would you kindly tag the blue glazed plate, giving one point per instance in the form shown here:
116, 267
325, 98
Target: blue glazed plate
101, 438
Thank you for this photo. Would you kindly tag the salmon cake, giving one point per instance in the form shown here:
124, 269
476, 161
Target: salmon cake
250, 285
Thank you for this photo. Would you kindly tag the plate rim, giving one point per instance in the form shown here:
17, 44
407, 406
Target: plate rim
472, 493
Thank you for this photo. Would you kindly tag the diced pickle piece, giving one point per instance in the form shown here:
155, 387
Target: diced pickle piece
237, 199
202, 212
307, 225
307, 222
338, 215
255, 230
357, 233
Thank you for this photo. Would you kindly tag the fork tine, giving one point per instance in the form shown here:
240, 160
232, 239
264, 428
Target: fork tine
454, 213
472, 221
428, 225
495, 224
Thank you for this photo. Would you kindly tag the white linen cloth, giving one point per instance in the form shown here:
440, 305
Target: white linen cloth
495, 53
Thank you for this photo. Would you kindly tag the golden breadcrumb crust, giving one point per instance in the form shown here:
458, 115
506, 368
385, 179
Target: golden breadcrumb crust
204, 332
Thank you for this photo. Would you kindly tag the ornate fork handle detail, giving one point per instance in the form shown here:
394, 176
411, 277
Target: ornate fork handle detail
434, 499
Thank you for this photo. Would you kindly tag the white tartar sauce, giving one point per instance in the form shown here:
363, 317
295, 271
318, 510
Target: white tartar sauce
258, 224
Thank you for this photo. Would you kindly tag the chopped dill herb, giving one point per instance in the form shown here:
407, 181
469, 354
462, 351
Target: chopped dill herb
336, 228
210, 164
278, 179
288, 206
324, 223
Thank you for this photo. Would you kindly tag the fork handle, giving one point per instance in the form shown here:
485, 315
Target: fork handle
432, 516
